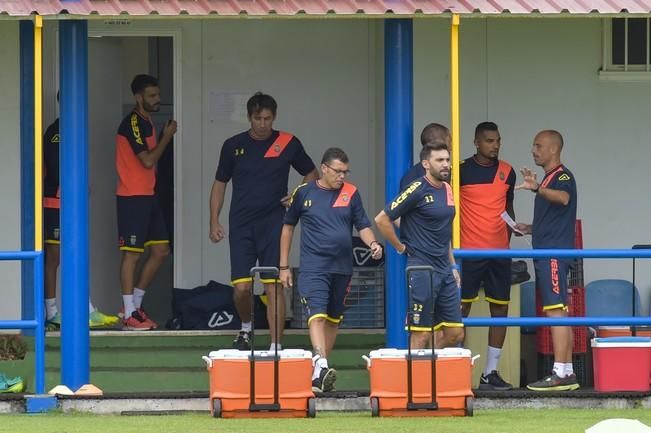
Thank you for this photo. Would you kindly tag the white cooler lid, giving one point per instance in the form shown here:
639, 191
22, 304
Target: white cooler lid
244, 354
621, 342
448, 352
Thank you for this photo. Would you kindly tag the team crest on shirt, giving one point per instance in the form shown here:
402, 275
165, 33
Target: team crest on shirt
501, 175
344, 198
132, 239
277, 148
564, 177
415, 318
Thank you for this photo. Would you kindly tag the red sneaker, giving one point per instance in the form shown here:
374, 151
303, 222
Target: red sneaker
143, 315
136, 323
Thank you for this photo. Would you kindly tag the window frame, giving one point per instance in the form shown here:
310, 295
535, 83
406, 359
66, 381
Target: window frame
623, 72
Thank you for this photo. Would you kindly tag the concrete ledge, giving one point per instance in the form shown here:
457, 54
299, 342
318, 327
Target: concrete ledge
134, 406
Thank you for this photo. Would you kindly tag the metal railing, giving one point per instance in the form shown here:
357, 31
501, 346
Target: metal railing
559, 254
38, 323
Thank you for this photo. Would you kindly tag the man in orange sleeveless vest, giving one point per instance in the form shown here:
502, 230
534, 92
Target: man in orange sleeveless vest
487, 185
328, 208
258, 163
141, 223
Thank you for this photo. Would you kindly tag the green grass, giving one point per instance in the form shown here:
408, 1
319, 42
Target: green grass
484, 421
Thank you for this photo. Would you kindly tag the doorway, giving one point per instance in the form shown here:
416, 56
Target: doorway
112, 63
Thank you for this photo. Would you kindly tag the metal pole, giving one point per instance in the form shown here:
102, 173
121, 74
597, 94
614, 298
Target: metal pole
27, 204
399, 120
455, 109
39, 337
73, 43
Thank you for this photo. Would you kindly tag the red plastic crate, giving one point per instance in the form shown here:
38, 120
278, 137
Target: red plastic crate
576, 304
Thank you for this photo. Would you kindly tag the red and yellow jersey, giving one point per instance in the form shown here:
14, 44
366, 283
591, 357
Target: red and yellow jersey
136, 134
485, 192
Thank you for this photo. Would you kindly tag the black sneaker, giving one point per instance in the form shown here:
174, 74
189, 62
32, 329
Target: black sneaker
555, 383
326, 380
242, 342
494, 382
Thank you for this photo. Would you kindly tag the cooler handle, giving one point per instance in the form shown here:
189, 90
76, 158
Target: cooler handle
474, 358
208, 361
368, 361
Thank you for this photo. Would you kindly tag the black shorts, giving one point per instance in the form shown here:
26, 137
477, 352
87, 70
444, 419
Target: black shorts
256, 243
140, 223
494, 275
323, 295
51, 226
551, 281
434, 300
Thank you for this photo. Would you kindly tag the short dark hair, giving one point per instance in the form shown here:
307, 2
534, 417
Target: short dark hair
555, 134
259, 102
434, 133
334, 153
426, 151
141, 81
483, 127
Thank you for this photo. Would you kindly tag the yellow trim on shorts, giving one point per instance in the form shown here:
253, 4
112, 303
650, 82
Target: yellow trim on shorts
448, 325
52, 242
419, 328
132, 249
242, 280
555, 307
468, 301
316, 316
269, 280
334, 320
148, 243
496, 301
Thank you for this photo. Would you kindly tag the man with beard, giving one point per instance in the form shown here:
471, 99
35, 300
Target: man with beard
426, 210
140, 220
328, 208
431, 134
487, 185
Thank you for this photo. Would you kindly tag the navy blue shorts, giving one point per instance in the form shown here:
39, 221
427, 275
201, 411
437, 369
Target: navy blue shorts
140, 223
551, 282
51, 226
434, 301
256, 243
323, 295
494, 275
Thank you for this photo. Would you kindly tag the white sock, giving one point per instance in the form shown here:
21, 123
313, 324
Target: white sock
51, 308
558, 369
568, 369
492, 359
322, 363
128, 305
246, 326
138, 294
91, 308
273, 346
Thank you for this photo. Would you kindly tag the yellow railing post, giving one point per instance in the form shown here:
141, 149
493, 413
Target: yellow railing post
455, 123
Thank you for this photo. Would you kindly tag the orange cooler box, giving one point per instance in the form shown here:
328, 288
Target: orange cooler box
388, 377
230, 382
621, 363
